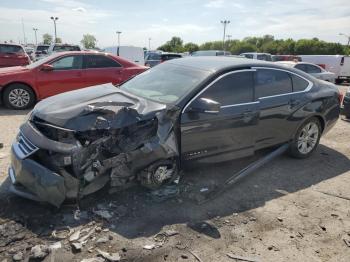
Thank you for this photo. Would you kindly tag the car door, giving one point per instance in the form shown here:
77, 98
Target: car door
101, 69
273, 90
66, 75
231, 132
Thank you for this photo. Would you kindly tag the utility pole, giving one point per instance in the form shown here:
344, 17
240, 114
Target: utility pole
54, 19
228, 37
24, 34
118, 33
348, 37
225, 23
36, 39
149, 43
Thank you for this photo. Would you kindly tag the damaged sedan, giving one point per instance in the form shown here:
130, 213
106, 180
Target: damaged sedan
207, 109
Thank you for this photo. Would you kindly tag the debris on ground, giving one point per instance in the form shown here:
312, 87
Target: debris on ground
149, 246
61, 234
346, 239
196, 256
164, 193
104, 214
102, 240
109, 256
77, 246
18, 256
56, 245
248, 259
39, 251
94, 259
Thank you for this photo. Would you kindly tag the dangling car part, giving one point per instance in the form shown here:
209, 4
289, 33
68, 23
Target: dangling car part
194, 109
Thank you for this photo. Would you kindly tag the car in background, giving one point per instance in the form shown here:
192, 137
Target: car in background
207, 109
40, 52
131, 53
337, 64
210, 53
21, 87
13, 55
277, 58
346, 104
153, 59
55, 48
311, 69
258, 56
29, 50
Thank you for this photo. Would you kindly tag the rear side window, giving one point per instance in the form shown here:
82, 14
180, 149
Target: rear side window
11, 49
236, 88
299, 84
100, 61
68, 63
312, 69
272, 82
301, 67
169, 57
250, 56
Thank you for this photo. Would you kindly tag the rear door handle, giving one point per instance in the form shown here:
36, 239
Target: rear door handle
294, 102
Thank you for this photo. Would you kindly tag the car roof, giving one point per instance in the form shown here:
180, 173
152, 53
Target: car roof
11, 44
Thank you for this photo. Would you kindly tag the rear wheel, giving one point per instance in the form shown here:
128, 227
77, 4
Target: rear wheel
306, 139
18, 96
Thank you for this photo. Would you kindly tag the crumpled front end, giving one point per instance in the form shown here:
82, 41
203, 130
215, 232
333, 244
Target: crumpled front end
121, 146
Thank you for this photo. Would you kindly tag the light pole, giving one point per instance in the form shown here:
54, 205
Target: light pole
54, 19
118, 33
225, 23
149, 43
36, 39
347, 36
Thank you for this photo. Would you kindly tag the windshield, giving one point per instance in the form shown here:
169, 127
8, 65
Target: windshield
39, 62
165, 83
11, 49
42, 47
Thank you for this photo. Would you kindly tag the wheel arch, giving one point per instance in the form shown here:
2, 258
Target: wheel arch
17, 82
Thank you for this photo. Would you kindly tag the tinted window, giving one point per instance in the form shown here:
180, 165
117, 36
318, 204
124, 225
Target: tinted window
68, 63
169, 57
100, 61
272, 82
299, 84
63, 48
232, 89
264, 57
312, 69
301, 67
11, 49
153, 57
250, 56
42, 47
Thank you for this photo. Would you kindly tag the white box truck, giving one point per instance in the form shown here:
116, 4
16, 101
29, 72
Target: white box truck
337, 64
131, 53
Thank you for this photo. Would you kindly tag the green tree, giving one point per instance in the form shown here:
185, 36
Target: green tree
191, 47
175, 44
47, 39
59, 40
89, 41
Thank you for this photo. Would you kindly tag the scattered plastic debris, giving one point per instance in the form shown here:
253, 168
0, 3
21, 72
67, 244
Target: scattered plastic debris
109, 256
39, 251
165, 193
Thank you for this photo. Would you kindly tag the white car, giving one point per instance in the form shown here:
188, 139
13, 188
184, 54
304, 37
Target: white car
54, 48
258, 56
131, 53
311, 69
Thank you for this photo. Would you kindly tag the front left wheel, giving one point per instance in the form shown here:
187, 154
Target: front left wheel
18, 96
306, 139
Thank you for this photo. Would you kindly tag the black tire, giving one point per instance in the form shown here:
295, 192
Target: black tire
297, 149
26, 96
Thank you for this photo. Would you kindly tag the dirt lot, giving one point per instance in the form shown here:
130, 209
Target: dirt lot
289, 210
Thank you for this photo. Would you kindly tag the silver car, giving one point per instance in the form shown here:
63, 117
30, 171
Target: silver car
311, 69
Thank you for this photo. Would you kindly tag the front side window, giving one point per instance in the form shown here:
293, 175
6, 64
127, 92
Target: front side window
235, 88
100, 61
270, 82
68, 63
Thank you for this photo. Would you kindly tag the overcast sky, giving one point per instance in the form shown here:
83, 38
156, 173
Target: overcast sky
193, 20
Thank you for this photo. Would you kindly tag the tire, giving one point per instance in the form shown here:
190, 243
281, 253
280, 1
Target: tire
18, 96
306, 139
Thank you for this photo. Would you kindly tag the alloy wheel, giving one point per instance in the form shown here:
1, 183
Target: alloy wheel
308, 138
19, 97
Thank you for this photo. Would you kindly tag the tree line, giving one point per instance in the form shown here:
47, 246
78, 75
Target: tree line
265, 44
88, 41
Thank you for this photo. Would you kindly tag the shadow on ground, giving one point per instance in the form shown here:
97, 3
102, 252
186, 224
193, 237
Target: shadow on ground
10, 112
143, 216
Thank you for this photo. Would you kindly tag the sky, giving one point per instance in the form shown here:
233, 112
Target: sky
195, 21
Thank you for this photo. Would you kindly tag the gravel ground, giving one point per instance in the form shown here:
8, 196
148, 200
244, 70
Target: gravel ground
289, 210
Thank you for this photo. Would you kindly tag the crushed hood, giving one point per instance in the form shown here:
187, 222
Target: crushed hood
98, 107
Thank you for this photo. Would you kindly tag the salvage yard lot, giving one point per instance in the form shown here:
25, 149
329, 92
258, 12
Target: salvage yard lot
289, 210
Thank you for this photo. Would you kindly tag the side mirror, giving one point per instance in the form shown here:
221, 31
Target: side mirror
205, 105
46, 67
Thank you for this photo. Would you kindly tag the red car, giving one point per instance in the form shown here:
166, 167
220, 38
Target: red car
22, 86
13, 55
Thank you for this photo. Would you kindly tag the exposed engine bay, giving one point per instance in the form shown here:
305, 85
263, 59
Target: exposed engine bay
105, 142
